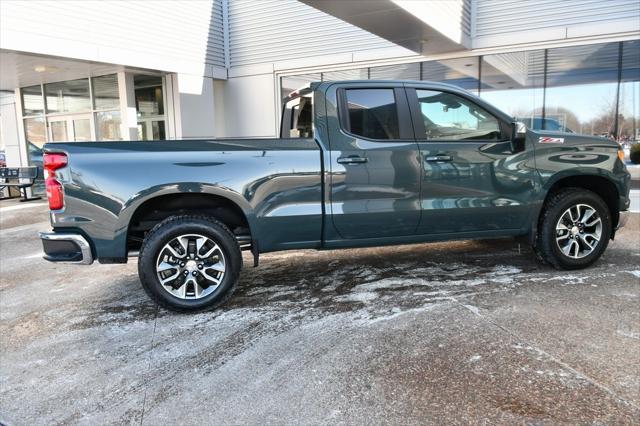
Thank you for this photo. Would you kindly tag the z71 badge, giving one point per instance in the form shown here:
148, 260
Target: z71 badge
550, 140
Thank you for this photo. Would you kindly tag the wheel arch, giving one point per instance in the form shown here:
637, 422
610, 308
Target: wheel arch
230, 209
600, 184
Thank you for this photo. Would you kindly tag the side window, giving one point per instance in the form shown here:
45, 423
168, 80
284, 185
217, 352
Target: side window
372, 113
450, 117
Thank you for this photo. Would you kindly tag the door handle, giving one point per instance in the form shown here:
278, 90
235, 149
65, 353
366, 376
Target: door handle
439, 158
353, 159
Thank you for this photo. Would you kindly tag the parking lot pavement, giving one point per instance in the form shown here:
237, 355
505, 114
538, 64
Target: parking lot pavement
462, 332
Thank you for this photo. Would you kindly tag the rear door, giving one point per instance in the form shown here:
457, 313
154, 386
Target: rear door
473, 179
374, 160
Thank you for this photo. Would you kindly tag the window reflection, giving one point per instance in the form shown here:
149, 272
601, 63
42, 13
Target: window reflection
105, 92
582, 84
462, 72
150, 107
450, 117
32, 100
514, 82
580, 95
108, 125
68, 96
372, 113
629, 107
35, 135
291, 83
356, 74
396, 72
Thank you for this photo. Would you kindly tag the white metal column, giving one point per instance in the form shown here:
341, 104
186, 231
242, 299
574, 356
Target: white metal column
128, 114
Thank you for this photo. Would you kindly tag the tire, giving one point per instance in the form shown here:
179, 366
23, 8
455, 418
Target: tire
197, 257
570, 248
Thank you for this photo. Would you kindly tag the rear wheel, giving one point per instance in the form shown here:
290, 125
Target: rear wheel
189, 263
574, 229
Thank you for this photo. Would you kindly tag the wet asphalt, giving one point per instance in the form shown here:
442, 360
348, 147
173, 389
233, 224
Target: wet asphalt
457, 333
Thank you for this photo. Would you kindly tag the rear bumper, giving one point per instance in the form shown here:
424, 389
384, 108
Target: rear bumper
66, 248
624, 217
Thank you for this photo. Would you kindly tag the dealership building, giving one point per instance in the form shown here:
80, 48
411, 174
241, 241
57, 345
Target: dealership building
152, 70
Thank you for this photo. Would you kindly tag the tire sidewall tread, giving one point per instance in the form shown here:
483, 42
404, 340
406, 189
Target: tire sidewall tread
171, 227
546, 247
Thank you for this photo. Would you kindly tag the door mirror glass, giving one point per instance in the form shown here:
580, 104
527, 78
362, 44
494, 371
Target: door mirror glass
519, 130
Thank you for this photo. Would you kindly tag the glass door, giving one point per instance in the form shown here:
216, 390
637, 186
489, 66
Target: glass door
74, 128
58, 129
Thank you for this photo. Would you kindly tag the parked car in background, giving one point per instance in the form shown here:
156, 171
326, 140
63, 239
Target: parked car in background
358, 164
3, 159
539, 123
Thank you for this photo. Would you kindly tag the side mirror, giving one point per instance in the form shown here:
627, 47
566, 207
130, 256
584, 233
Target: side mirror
519, 130
518, 136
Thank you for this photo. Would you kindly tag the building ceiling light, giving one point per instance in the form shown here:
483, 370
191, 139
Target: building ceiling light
45, 68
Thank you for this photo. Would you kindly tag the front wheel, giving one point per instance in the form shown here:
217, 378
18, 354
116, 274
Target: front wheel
189, 263
574, 229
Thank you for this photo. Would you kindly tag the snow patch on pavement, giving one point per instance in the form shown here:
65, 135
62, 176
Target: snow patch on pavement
634, 273
628, 334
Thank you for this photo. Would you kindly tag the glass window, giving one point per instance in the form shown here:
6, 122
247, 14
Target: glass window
150, 107
149, 98
290, 83
462, 72
582, 84
514, 82
396, 72
81, 129
372, 113
59, 131
142, 131
629, 108
297, 118
105, 92
157, 127
449, 117
32, 100
35, 134
357, 74
108, 125
35, 131
68, 96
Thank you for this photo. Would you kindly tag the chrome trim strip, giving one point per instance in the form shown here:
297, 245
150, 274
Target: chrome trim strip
85, 248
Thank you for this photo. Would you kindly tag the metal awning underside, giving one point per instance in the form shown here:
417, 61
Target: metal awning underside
424, 27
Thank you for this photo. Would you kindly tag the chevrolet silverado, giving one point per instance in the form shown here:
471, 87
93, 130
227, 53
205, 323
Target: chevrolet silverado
358, 164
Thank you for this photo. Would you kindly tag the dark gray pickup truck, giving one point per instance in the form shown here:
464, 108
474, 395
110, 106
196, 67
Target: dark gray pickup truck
359, 164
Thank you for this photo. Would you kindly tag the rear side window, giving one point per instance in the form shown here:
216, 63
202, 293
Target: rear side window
372, 113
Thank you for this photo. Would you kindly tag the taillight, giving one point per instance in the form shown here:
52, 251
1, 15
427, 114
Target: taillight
54, 193
53, 161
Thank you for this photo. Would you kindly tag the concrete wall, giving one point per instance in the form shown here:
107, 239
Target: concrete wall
248, 106
192, 100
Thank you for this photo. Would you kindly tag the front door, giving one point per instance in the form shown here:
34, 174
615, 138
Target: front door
374, 160
473, 179
74, 128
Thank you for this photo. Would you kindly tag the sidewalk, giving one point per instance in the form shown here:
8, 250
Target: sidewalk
15, 213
